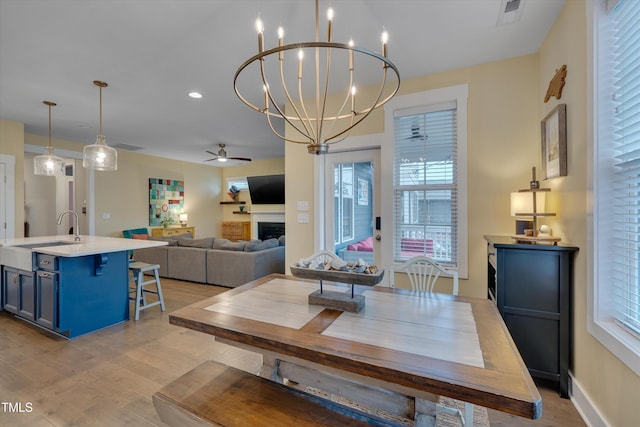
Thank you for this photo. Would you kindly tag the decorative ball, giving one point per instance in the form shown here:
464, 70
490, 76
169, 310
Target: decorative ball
544, 229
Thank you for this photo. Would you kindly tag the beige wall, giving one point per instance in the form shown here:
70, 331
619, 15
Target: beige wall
11, 143
503, 144
123, 194
612, 387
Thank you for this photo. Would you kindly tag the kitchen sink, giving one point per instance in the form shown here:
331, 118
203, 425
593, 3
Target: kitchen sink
21, 256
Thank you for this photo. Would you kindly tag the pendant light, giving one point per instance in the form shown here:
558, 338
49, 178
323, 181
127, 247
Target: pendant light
48, 164
100, 156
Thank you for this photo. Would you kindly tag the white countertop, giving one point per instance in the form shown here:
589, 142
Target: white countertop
89, 245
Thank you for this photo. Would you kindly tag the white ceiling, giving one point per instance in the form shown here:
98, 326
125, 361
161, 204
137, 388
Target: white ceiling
153, 52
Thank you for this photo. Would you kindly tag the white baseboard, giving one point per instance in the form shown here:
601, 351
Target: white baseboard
586, 409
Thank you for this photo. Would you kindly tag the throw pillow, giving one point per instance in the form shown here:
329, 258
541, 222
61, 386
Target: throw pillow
140, 236
281, 240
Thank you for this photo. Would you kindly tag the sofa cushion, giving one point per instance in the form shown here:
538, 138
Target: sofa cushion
282, 240
261, 245
170, 240
184, 236
228, 245
354, 246
204, 243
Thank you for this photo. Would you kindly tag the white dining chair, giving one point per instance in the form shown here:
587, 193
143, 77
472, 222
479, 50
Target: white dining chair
423, 273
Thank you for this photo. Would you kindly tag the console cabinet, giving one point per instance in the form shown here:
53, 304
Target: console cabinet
172, 231
532, 286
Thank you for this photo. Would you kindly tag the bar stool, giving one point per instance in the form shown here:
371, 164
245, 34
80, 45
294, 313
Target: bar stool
138, 269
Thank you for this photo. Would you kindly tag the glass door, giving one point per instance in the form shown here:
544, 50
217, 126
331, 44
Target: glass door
353, 205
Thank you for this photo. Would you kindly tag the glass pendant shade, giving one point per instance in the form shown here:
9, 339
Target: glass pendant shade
48, 164
100, 156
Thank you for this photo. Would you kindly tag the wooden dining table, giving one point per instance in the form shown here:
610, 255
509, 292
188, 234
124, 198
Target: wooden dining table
398, 354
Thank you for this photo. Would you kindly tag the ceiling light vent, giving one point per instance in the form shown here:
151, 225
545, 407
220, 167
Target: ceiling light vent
510, 11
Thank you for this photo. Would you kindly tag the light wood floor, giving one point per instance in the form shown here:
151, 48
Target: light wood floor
107, 378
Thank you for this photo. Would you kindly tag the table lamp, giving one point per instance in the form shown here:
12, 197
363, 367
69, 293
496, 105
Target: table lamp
183, 219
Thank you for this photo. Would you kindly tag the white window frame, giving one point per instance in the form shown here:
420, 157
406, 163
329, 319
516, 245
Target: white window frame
459, 95
622, 343
235, 180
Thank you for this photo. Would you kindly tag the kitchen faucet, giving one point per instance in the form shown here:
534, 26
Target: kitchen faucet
76, 227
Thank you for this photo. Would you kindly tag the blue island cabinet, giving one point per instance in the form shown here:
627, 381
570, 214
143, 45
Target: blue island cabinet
93, 292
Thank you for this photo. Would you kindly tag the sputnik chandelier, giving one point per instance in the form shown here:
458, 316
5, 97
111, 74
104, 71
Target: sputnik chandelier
329, 109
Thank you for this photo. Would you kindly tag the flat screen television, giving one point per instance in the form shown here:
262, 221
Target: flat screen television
266, 189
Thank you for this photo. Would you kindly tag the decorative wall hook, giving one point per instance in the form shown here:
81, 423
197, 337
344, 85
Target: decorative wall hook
556, 84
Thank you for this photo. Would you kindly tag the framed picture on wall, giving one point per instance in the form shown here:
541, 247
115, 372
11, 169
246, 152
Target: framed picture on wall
554, 143
363, 192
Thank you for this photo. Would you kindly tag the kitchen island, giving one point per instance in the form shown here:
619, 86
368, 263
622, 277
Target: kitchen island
68, 287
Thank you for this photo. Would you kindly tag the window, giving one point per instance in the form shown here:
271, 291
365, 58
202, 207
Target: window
239, 182
614, 298
343, 202
429, 176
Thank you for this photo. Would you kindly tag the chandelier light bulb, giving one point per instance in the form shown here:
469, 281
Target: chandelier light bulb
259, 25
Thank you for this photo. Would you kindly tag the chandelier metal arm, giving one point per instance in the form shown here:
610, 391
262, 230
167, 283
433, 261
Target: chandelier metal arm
365, 113
274, 103
344, 104
277, 49
313, 134
297, 119
306, 124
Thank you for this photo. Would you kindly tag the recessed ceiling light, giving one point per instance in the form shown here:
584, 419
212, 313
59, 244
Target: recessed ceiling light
195, 95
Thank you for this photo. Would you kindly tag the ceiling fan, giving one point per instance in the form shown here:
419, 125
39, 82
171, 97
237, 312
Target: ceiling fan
221, 156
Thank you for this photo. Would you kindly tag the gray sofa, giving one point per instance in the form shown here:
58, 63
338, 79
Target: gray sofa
216, 261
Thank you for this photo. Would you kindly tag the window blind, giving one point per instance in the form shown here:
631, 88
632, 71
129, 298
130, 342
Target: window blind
625, 176
425, 183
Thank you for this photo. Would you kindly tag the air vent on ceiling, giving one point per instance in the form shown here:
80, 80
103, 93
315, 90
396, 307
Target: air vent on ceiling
127, 147
510, 11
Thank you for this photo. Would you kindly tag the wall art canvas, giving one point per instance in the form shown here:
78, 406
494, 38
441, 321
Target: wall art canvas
554, 143
166, 201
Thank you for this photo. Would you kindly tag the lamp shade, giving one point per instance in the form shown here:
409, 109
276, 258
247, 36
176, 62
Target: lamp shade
184, 217
522, 203
100, 156
48, 164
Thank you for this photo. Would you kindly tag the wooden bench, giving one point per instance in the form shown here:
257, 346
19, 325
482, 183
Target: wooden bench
214, 394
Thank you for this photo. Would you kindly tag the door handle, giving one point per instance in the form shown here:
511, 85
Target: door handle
378, 237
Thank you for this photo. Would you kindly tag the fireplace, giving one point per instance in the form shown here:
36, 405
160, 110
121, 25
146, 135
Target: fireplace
270, 230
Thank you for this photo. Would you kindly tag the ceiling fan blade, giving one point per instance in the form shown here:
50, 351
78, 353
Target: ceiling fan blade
210, 160
244, 159
211, 152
